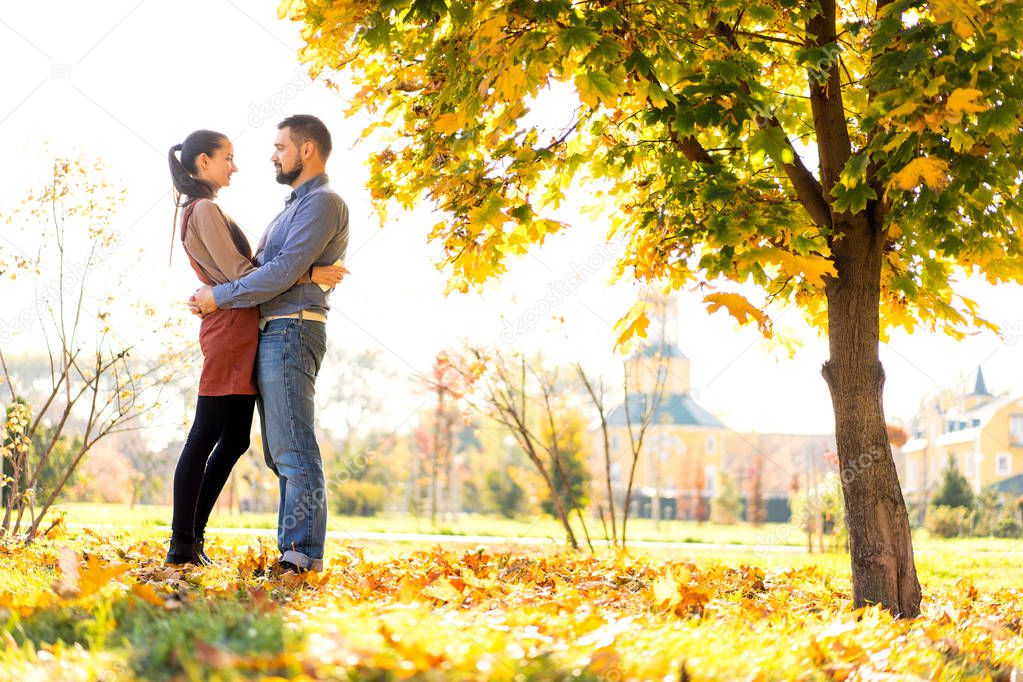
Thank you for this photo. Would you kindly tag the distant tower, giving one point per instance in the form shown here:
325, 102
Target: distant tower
980, 394
686, 442
980, 388
659, 354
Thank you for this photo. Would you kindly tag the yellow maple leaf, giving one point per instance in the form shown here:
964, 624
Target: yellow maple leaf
510, 84
596, 88
443, 590
922, 170
964, 15
448, 123
456, 283
964, 100
145, 592
739, 307
634, 323
95, 575
904, 109
813, 267
666, 591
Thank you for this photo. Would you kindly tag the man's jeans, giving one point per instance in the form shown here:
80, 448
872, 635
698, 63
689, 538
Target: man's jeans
289, 357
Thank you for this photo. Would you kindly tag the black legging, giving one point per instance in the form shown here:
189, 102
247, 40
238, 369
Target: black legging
222, 425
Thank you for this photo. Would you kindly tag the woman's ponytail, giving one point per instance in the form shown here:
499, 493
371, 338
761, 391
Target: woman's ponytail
187, 187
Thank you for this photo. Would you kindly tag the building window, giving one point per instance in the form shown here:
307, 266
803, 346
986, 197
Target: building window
1016, 429
1003, 464
710, 444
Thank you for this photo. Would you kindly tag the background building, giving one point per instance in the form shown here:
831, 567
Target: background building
686, 449
785, 463
681, 452
979, 432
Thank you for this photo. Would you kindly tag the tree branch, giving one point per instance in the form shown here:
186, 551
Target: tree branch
809, 190
833, 143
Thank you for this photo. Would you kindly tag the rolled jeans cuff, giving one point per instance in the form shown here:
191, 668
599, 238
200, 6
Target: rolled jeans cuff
303, 561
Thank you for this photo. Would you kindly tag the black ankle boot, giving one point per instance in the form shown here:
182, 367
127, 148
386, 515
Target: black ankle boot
181, 553
200, 549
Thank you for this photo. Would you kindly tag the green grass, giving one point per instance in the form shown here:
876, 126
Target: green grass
466, 524
157, 518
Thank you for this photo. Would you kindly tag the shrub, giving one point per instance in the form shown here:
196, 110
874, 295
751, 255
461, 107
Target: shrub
726, 506
988, 511
828, 495
947, 522
506, 496
359, 498
955, 489
1007, 527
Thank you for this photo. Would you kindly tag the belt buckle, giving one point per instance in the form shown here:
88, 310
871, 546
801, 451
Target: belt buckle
262, 324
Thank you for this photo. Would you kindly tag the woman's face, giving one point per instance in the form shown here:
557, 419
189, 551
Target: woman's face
218, 168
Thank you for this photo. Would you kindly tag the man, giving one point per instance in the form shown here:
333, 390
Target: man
312, 229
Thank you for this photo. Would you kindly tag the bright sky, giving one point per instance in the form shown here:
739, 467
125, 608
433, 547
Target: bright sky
126, 80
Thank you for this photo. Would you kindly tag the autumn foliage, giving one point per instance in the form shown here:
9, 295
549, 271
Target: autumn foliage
106, 606
699, 123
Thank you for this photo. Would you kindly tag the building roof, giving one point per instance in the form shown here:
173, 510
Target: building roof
658, 348
980, 388
1012, 485
972, 423
677, 409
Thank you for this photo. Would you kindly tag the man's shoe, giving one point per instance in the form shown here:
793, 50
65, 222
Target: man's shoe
286, 568
182, 553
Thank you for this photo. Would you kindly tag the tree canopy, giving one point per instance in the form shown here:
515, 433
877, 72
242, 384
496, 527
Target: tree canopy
697, 122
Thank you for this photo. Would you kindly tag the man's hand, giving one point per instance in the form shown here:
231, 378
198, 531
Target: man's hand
329, 276
201, 303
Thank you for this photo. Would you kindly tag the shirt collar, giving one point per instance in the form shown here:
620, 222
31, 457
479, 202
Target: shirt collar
306, 187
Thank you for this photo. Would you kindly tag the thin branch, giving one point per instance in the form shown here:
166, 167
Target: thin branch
546, 389
7, 376
598, 402
773, 39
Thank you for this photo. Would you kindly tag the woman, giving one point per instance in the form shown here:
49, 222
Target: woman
218, 252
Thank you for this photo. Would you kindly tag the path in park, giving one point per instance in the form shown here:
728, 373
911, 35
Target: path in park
438, 538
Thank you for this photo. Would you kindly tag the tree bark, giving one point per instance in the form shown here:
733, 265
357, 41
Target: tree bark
881, 548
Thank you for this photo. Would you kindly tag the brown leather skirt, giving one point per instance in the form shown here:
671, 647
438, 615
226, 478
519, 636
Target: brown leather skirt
229, 339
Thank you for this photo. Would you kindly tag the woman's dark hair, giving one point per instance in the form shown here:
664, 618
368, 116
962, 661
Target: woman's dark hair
187, 187
183, 170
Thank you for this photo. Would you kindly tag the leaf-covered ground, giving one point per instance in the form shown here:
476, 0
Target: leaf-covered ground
87, 607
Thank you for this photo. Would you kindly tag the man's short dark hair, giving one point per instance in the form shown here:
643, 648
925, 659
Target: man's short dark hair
305, 127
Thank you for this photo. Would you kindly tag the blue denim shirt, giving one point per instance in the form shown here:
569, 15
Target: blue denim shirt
311, 230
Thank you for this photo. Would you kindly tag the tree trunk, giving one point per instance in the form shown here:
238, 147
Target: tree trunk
880, 545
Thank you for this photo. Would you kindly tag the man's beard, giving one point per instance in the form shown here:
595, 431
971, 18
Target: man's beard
289, 177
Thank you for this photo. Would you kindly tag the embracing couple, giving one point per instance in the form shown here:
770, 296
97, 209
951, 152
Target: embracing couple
263, 335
